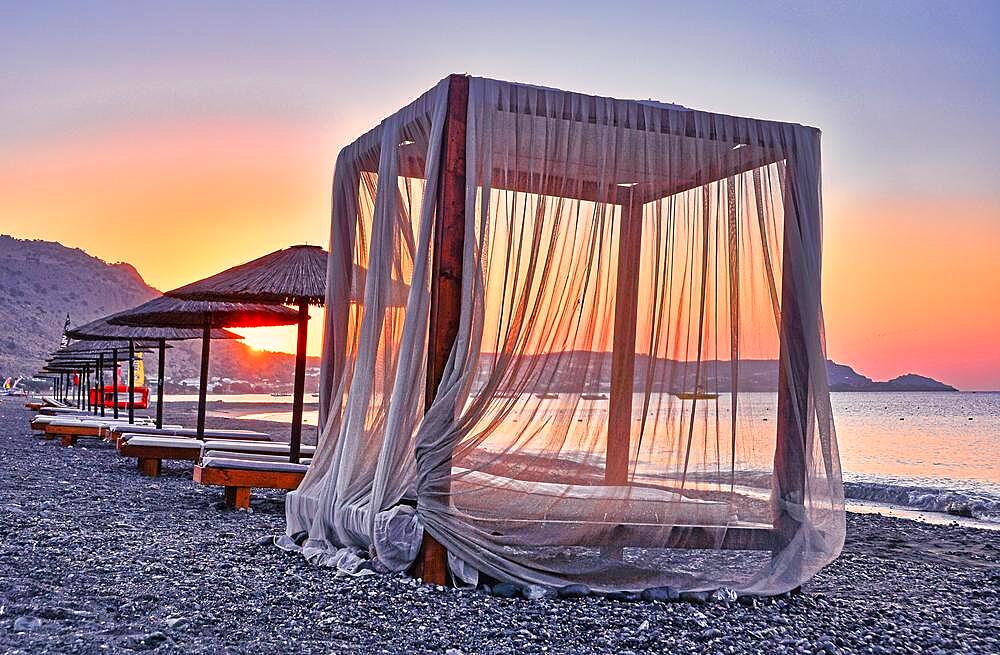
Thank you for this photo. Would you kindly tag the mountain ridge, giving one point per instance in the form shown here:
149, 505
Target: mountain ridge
41, 281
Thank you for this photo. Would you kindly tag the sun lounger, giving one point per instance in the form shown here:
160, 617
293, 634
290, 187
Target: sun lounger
40, 423
62, 411
115, 433
250, 456
238, 476
69, 429
152, 449
258, 447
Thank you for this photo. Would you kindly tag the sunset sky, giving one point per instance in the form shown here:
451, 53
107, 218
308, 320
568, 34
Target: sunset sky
194, 138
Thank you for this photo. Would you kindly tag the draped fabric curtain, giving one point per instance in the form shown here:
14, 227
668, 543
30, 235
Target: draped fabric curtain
637, 393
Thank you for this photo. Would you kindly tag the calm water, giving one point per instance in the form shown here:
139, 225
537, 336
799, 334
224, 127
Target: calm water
921, 451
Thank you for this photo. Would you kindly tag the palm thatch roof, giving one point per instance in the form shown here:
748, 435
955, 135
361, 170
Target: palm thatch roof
96, 347
103, 330
174, 312
290, 276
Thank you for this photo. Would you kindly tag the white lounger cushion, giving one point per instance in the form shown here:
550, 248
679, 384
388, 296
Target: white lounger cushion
264, 448
252, 465
487, 496
105, 420
178, 431
53, 411
209, 454
161, 442
81, 422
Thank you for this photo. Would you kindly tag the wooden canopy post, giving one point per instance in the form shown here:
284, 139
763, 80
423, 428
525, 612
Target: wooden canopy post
131, 381
800, 240
446, 280
114, 382
623, 344
299, 384
160, 365
206, 340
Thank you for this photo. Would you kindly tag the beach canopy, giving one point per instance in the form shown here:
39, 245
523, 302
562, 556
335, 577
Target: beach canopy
610, 367
103, 330
91, 349
295, 275
176, 313
290, 276
287, 276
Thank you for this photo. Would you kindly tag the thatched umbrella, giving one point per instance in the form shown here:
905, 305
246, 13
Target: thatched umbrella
171, 312
293, 276
103, 330
93, 355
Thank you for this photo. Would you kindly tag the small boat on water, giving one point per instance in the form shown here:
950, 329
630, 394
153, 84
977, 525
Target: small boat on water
593, 396
696, 395
547, 396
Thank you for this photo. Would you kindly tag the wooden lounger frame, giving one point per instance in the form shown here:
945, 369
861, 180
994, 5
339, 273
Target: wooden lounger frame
237, 483
150, 458
68, 434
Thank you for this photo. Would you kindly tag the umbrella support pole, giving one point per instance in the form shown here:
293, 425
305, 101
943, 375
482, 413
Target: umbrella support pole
159, 383
131, 381
100, 382
206, 340
299, 388
114, 381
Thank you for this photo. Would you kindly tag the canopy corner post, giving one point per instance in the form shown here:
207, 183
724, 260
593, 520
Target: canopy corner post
446, 281
798, 296
623, 344
299, 383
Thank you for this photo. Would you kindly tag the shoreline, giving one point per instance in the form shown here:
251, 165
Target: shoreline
99, 559
255, 415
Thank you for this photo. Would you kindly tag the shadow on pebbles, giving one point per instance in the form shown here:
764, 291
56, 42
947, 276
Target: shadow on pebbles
96, 559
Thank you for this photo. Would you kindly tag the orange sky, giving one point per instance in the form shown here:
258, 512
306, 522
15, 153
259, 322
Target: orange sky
907, 287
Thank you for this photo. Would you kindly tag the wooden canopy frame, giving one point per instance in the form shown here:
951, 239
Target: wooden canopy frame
747, 151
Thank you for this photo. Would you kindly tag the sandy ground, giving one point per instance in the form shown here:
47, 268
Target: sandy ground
96, 559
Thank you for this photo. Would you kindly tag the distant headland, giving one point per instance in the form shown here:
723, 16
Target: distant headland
43, 281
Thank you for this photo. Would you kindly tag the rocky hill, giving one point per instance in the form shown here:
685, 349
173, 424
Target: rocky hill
42, 281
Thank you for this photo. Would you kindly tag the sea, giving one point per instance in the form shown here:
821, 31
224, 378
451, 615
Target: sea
924, 455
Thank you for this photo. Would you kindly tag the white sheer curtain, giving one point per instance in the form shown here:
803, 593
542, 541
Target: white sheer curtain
608, 414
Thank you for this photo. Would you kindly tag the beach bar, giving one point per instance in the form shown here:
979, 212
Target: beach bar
560, 248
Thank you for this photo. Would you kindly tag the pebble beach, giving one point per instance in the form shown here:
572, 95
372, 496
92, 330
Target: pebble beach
95, 558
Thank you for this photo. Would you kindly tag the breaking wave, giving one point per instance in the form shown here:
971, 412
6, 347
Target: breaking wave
984, 507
